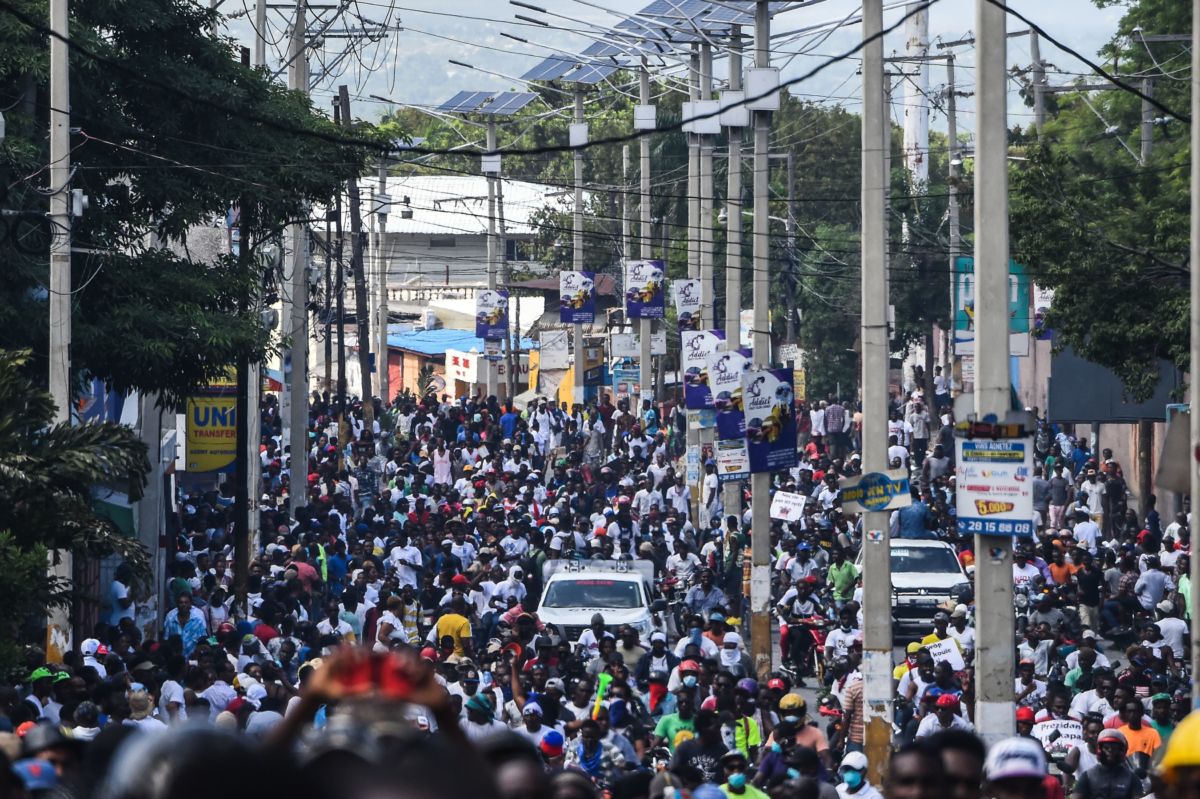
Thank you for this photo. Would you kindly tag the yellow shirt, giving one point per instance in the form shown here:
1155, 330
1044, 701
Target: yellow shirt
932, 638
455, 626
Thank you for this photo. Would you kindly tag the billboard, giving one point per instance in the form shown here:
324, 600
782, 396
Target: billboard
994, 489
769, 401
491, 314
577, 298
696, 347
644, 287
725, 371
211, 433
687, 303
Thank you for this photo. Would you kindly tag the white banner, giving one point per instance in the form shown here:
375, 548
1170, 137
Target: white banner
995, 486
785, 505
948, 651
555, 350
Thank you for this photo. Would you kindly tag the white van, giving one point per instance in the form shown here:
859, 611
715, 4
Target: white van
620, 590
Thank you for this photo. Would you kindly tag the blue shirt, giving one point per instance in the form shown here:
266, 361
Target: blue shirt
915, 521
508, 424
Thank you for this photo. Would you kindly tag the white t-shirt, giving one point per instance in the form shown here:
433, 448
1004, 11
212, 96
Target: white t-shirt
118, 591
171, 691
400, 556
841, 641
1024, 576
966, 638
1173, 631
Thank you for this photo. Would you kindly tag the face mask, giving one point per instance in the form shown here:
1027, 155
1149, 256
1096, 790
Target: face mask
776, 748
846, 628
792, 719
793, 774
690, 681
852, 778
737, 780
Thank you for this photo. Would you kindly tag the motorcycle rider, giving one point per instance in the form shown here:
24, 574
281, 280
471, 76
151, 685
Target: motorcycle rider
705, 597
1111, 777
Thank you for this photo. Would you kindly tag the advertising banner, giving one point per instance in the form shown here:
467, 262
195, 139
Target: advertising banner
876, 491
733, 461
725, 382
491, 314
211, 433
697, 346
556, 349
644, 287
768, 399
995, 486
577, 297
687, 303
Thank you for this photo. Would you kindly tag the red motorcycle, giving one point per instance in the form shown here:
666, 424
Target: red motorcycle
816, 628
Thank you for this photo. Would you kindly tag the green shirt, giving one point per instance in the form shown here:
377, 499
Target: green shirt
842, 578
1164, 730
750, 792
670, 725
746, 734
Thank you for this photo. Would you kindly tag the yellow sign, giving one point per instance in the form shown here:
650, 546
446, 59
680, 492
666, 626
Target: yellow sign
211, 433
798, 385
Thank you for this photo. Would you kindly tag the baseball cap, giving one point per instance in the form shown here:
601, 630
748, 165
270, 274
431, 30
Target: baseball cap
36, 774
947, 700
1015, 758
658, 635
689, 665
913, 647
940, 616
855, 760
776, 684
531, 709
1165, 606
552, 744
960, 612
1025, 714
40, 673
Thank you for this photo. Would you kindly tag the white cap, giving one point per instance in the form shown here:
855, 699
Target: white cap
960, 612
855, 760
1165, 606
1014, 758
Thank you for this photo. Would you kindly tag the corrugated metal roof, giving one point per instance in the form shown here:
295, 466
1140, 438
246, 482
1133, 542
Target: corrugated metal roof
436, 342
457, 204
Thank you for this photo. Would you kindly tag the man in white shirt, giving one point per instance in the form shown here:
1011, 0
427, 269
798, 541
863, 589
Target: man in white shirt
1174, 629
334, 625
683, 563
406, 560
1087, 533
896, 452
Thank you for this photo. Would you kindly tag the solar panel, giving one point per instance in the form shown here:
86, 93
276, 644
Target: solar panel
464, 102
591, 73
602, 50
508, 103
732, 12
552, 68
676, 9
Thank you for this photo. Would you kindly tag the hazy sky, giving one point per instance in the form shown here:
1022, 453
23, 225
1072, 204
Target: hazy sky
411, 66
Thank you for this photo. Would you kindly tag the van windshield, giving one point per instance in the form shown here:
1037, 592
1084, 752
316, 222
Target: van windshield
588, 593
923, 560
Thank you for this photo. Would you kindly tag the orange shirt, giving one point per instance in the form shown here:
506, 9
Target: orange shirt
1062, 574
1145, 740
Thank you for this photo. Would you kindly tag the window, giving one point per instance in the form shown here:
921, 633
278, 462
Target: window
515, 250
589, 593
437, 242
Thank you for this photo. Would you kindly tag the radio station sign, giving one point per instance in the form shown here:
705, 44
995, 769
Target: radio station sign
876, 491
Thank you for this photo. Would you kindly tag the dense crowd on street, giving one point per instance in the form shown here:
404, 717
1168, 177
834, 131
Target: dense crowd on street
387, 641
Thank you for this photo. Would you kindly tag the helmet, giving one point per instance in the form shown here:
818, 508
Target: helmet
793, 702
749, 685
1183, 748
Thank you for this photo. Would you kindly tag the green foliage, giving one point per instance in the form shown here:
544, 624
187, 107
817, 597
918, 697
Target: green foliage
26, 592
47, 475
1110, 236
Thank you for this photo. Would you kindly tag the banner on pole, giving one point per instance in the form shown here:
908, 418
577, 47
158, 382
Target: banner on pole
644, 287
876, 491
697, 346
491, 314
787, 506
687, 303
768, 398
995, 486
733, 461
577, 298
725, 371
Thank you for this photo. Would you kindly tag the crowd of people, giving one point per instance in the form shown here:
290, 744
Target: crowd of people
386, 637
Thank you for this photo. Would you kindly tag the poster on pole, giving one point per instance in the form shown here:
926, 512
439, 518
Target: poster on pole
577, 298
733, 460
876, 491
697, 346
725, 371
491, 314
787, 506
687, 303
995, 486
644, 287
555, 349
769, 401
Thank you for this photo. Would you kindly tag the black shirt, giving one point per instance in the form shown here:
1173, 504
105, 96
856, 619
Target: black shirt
703, 756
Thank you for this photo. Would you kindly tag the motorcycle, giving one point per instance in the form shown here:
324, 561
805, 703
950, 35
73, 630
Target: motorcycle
817, 629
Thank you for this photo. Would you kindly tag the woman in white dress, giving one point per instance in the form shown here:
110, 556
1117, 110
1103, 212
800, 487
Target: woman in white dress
441, 464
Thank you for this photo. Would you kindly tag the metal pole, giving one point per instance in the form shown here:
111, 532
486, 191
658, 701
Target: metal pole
952, 200
1195, 317
492, 378
760, 484
577, 251
731, 492
790, 226
1039, 82
260, 29
58, 623
993, 571
296, 316
645, 326
1147, 121
877, 581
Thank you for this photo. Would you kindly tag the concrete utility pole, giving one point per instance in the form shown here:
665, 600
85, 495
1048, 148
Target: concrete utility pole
790, 226
512, 335
362, 308
760, 484
994, 666
1039, 82
577, 250
260, 28
646, 239
731, 492
955, 174
916, 95
295, 320
1195, 314
708, 319
493, 379
877, 569
693, 201
58, 626
383, 263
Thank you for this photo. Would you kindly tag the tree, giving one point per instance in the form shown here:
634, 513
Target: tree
1110, 235
47, 475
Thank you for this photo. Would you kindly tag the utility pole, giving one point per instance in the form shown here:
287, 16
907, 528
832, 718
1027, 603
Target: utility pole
955, 175
693, 200
62, 562
242, 426
877, 568
1195, 315
731, 491
512, 335
994, 666
343, 423
493, 379
645, 326
916, 94
383, 264
296, 323
362, 312
760, 484
260, 29
577, 247
708, 320
626, 190
1147, 121
329, 393
790, 225
1039, 82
